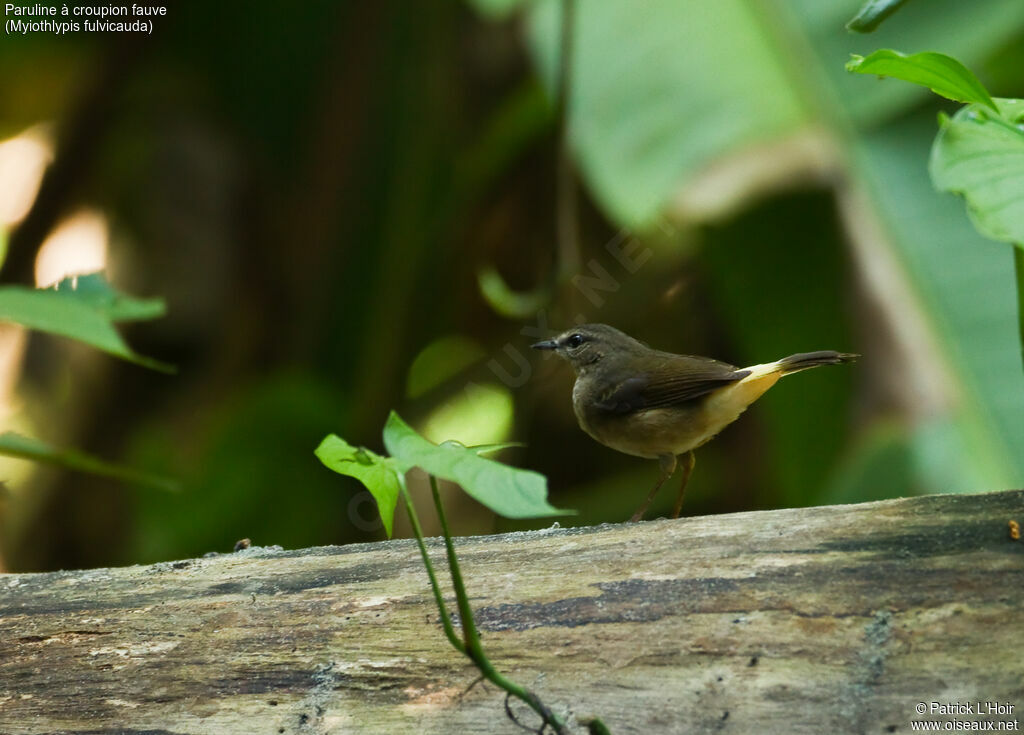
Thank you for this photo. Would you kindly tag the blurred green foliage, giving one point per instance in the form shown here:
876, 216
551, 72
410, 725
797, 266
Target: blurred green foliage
314, 193
23, 447
979, 153
83, 308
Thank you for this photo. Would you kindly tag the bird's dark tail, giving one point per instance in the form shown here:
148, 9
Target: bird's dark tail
805, 360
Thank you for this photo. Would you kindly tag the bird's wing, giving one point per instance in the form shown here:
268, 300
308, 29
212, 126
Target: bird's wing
674, 382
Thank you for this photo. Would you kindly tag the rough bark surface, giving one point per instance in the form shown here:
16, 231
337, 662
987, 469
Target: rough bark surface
812, 620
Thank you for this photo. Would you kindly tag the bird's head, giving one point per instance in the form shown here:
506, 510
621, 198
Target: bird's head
589, 344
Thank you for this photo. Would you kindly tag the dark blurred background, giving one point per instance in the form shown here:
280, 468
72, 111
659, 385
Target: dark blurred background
352, 207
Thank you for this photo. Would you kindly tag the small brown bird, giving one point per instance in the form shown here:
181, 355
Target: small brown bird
660, 405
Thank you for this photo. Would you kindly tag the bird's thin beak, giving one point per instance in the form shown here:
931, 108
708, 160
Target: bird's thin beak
548, 344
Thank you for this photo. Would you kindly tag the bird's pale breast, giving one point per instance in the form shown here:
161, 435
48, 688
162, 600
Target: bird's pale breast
670, 430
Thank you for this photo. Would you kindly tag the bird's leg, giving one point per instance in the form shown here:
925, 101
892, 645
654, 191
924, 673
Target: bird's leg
667, 462
688, 461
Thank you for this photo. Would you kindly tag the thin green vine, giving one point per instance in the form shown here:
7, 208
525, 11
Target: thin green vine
470, 644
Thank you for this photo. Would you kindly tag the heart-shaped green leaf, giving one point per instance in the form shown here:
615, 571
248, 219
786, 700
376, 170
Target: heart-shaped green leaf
379, 474
508, 491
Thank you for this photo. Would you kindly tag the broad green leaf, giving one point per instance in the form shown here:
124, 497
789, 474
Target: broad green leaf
981, 157
508, 491
23, 447
872, 13
662, 88
658, 95
83, 308
377, 473
942, 74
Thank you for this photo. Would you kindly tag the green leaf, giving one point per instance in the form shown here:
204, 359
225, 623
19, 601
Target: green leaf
872, 13
981, 157
966, 31
23, 447
967, 293
439, 361
83, 308
377, 473
657, 99
509, 303
657, 95
510, 492
93, 289
942, 74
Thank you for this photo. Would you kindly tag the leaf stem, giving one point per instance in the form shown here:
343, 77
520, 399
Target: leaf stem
471, 637
446, 621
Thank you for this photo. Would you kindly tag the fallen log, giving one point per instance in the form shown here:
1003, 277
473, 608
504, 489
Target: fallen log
840, 619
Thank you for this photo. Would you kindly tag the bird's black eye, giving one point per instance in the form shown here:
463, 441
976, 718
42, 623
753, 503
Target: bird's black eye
575, 340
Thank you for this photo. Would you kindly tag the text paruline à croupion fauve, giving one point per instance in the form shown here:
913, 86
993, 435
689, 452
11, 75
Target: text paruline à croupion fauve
64, 19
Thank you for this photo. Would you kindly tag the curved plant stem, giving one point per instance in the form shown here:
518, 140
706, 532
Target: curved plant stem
470, 643
471, 637
596, 727
446, 620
